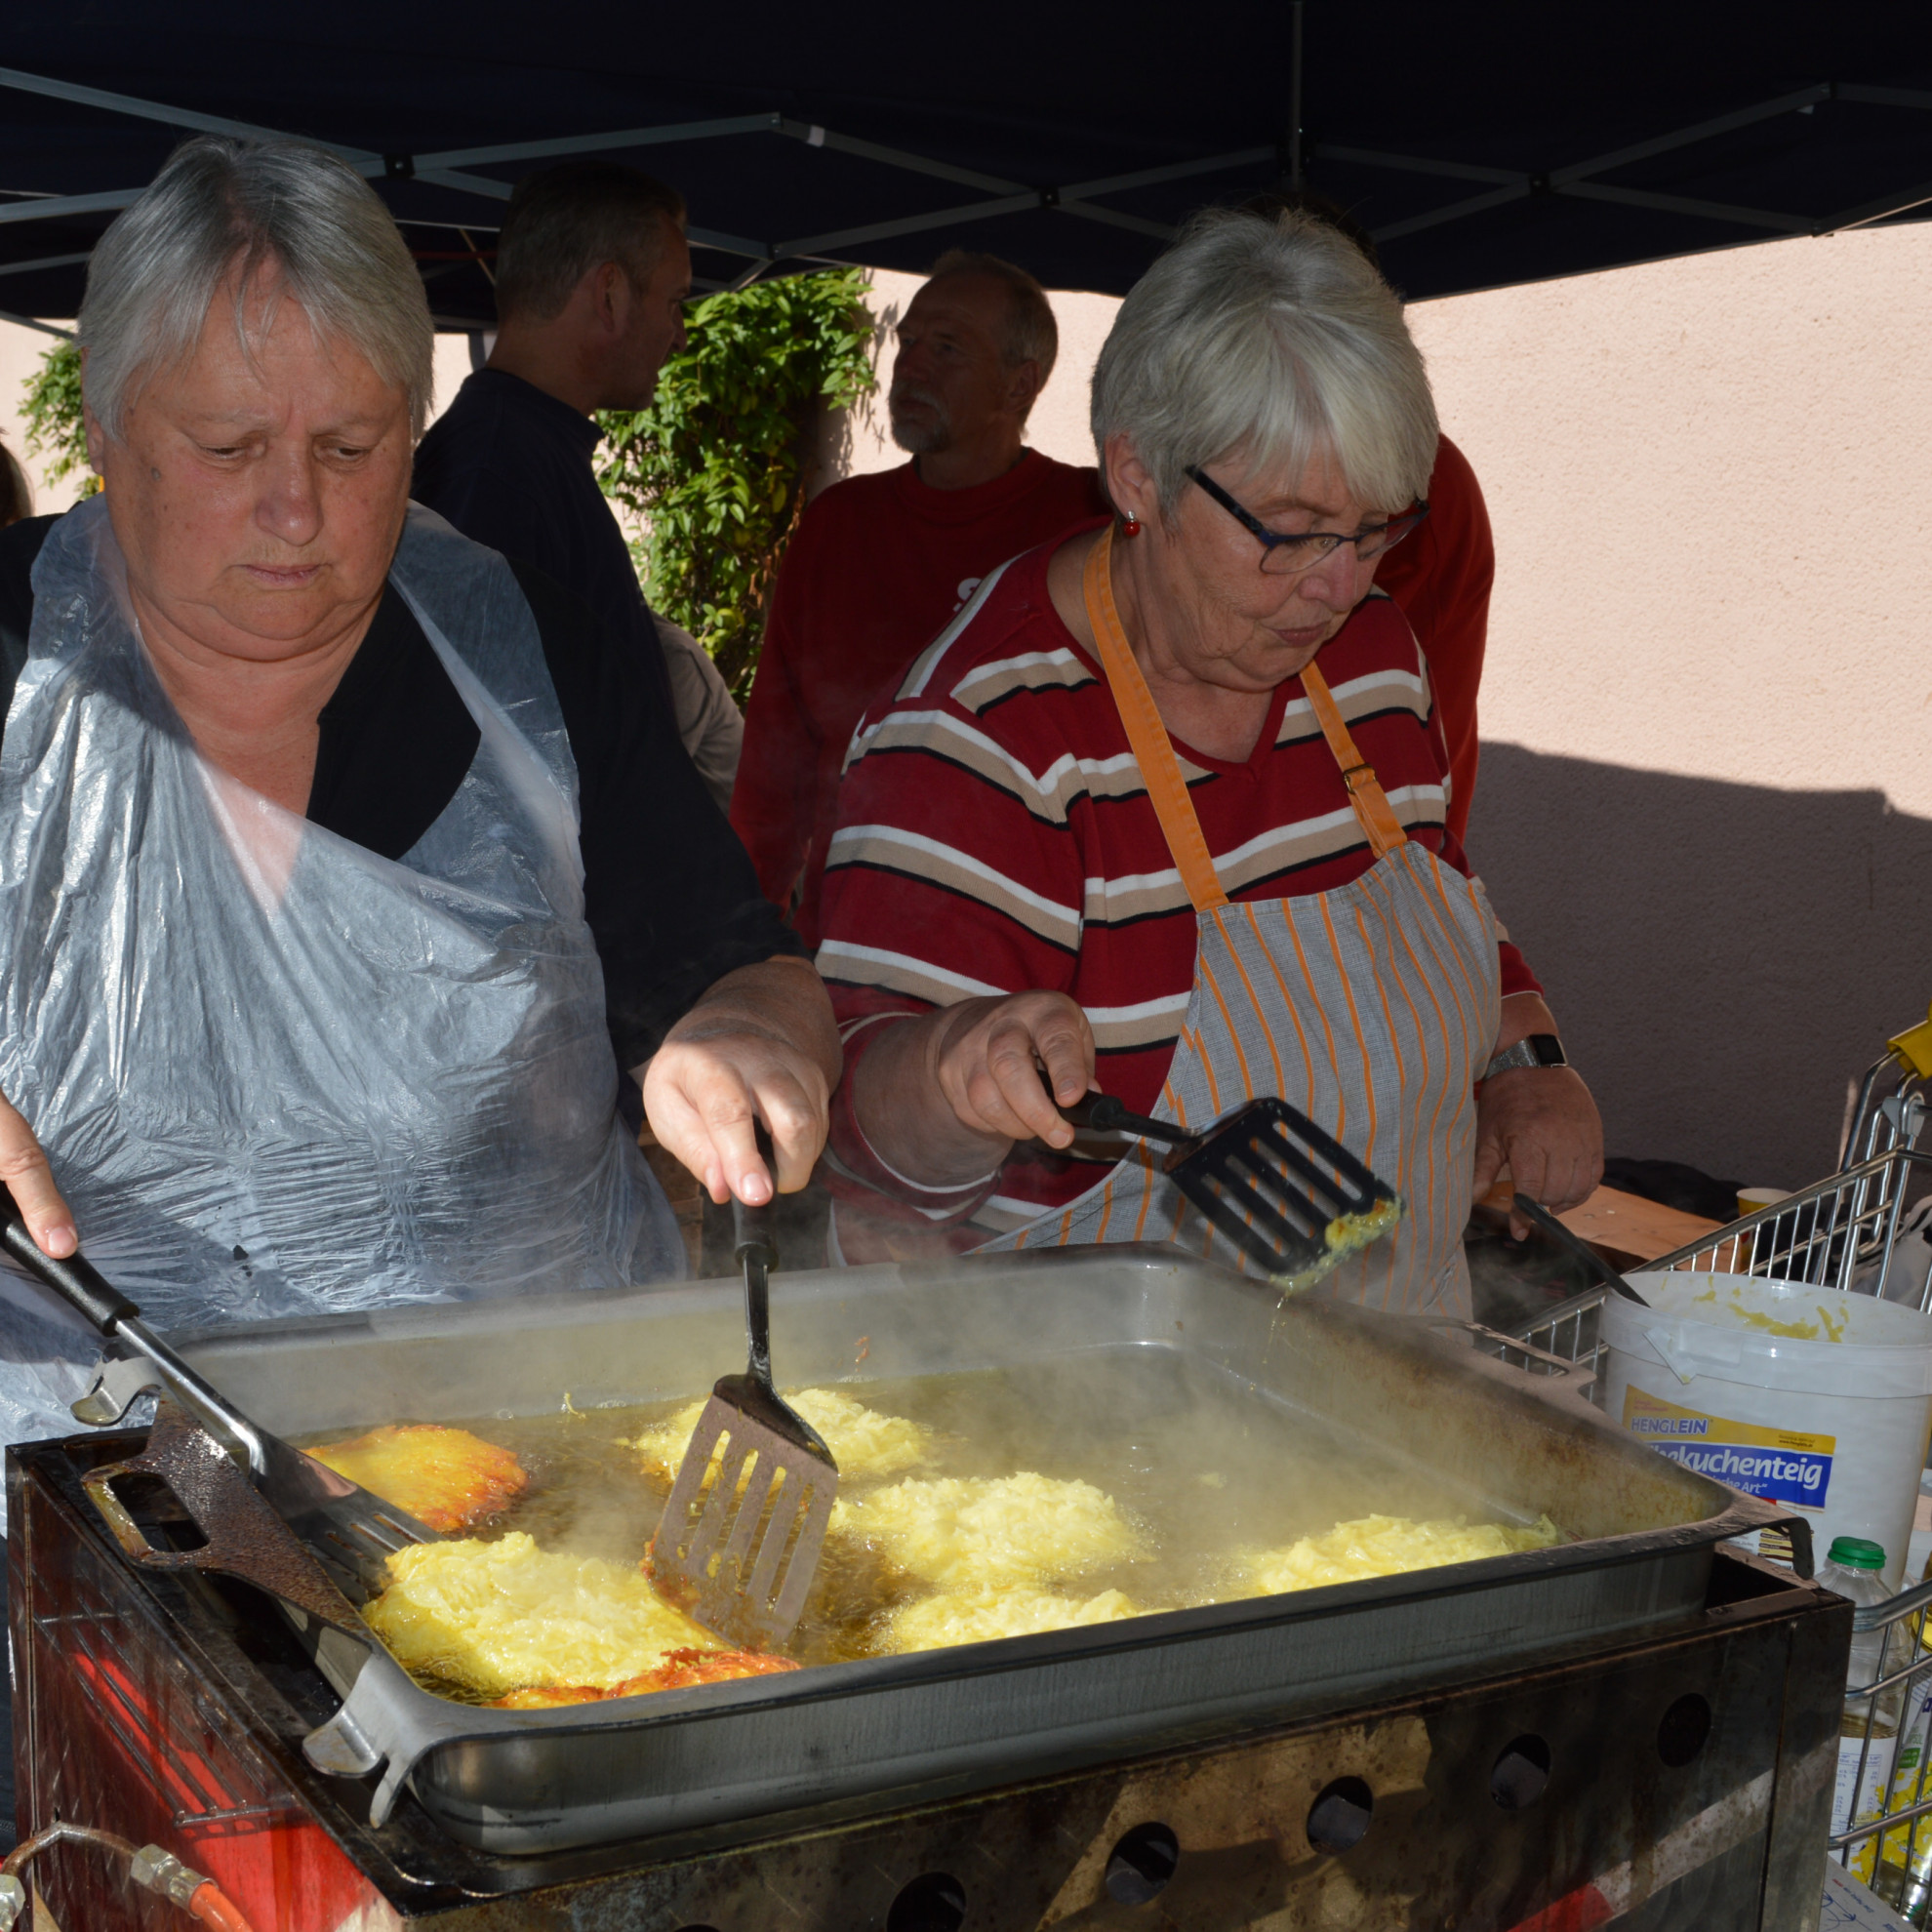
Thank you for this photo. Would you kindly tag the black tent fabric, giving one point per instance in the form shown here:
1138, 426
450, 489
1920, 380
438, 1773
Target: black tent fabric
1482, 146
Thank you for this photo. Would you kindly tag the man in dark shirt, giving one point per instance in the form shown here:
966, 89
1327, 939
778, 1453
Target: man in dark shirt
592, 272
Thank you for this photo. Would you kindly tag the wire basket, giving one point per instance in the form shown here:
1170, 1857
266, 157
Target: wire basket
1568, 1333
1840, 1233
1889, 1843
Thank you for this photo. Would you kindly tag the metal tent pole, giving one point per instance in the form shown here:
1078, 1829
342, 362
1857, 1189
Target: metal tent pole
1295, 108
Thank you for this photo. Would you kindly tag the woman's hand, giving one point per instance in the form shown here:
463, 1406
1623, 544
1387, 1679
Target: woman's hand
986, 1057
28, 1178
760, 1043
1538, 1122
942, 1097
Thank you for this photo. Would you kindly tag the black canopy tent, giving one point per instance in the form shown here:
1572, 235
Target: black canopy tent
1482, 147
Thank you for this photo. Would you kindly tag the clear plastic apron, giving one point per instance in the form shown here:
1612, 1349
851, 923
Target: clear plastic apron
1371, 1008
278, 1074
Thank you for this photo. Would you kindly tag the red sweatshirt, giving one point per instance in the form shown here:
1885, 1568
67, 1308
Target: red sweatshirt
878, 566
1441, 578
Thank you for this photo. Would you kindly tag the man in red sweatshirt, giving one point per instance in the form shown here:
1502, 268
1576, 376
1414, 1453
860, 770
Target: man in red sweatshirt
882, 564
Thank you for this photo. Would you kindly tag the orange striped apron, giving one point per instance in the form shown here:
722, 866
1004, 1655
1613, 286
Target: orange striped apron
1371, 1008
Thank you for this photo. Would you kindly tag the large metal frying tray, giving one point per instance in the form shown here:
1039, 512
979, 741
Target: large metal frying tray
954, 1720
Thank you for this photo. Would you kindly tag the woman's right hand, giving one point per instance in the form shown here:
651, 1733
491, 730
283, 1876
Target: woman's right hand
28, 1178
987, 1056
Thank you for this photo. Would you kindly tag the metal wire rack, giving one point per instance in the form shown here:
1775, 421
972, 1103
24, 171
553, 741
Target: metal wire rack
1839, 1234
1889, 1843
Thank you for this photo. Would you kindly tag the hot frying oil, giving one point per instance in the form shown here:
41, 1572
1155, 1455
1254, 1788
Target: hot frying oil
1202, 1468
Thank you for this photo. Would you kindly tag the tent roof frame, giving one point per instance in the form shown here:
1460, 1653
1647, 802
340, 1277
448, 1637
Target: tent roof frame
451, 169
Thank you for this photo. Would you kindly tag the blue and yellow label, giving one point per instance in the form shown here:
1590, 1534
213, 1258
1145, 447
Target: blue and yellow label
1779, 1464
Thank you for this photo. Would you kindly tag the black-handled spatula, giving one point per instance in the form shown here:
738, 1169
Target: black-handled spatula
1289, 1195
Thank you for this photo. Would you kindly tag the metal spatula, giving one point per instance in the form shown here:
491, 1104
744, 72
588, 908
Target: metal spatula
1290, 1197
343, 1522
740, 1557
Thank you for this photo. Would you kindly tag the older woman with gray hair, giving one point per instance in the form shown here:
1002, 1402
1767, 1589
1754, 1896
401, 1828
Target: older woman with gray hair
346, 865
1161, 812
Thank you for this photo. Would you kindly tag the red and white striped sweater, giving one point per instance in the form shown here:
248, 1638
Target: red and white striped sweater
994, 836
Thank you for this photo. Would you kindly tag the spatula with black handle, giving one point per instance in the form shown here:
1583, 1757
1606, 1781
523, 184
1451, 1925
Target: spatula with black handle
1290, 1197
339, 1520
1540, 1216
746, 1524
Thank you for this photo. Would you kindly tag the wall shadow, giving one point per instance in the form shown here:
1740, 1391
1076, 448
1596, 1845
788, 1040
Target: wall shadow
831, 439
1723, 958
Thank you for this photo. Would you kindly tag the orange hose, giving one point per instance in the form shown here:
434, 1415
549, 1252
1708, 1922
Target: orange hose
213, 1907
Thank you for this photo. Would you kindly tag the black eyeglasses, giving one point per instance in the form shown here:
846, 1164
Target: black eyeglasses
1286, 554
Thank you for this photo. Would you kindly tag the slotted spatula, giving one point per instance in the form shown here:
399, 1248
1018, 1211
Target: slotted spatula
343, 1522
1289, 1195
740, 1558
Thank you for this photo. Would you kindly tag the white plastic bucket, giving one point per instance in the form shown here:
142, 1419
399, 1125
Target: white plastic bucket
1835, 1428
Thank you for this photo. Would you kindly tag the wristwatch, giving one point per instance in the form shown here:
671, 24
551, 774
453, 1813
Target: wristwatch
1538, 1050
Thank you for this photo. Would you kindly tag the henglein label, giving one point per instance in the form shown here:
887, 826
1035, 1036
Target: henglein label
1779, 1464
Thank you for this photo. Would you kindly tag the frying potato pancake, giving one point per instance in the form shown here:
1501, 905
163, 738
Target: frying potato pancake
503, 1616
1387, 1547
864, 1444
446, 1479
966, 1533
1350, 1231
679, 1670
546, 1696
980, 1616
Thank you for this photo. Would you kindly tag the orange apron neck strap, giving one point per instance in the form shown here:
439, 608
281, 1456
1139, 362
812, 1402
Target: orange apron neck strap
1152, 751
1365, 794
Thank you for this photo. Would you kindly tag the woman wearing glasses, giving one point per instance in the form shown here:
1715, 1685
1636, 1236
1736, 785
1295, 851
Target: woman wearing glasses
1162, 812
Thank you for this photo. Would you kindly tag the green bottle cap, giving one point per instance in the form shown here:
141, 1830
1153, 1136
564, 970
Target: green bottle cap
1854, 1553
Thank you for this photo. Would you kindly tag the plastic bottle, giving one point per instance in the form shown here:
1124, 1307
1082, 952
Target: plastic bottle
1868, 1736
1905, 1857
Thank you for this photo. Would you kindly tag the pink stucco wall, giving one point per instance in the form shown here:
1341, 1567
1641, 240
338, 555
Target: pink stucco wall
1705, 803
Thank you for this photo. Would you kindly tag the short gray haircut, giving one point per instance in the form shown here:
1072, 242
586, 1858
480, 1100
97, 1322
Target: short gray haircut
268, 206
1031, 333
1274, 341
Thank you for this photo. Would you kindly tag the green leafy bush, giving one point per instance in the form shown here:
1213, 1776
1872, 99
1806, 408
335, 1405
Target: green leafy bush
714, 467
52, 410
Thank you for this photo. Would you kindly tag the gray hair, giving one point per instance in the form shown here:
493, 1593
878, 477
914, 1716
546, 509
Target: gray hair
1030, 335
1274, 340
267, 205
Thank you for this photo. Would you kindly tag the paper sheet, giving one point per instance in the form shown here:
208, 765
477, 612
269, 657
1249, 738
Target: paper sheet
1850, 1906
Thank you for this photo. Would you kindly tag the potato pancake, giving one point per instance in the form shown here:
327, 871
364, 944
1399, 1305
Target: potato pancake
1387, 1547
866, 1444
980, 1616
966, 1533
446, 1479
500, 1617
679, 1670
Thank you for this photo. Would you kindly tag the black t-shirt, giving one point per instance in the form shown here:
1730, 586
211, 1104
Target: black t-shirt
669, 896
510, 467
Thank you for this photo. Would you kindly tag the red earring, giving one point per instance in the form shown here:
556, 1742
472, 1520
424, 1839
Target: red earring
1130, 525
